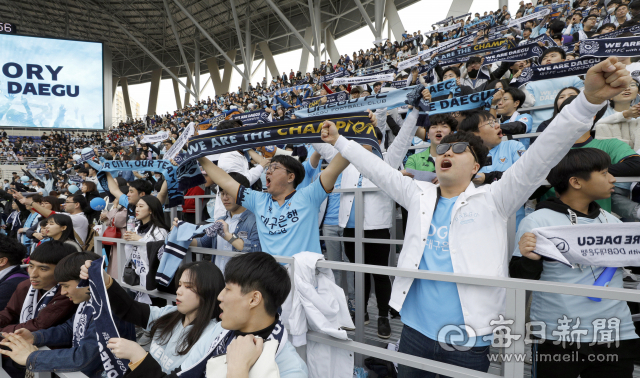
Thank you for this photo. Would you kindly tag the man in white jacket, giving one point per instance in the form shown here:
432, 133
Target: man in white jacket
456, 227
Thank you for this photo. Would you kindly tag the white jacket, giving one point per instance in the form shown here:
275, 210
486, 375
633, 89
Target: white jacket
616, 126
320, 305
478, 234
378, 206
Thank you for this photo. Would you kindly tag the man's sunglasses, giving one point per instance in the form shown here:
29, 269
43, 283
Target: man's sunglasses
457, 148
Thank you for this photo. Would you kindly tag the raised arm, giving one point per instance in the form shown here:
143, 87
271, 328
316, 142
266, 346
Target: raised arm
162, 194
398, 187
603, 81
220, 177
113, 186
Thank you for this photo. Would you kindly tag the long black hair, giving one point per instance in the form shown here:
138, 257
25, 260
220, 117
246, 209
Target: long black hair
207, 282
157, 213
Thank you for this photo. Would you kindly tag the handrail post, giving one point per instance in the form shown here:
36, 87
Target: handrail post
198, 210
359, 277
513, 366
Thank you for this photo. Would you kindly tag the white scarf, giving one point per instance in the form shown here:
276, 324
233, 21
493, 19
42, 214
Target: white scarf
598, 244
582, 35
32, 305
79, 324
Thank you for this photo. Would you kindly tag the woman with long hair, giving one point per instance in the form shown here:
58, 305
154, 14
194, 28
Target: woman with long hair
59, 227
560, 97
150, 226
621, 121
181, 334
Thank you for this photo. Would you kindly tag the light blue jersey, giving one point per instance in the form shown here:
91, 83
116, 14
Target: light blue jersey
291, 228
430, 306
333, 205
544, 92
584, 315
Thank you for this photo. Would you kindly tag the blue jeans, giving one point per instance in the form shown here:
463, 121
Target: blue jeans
335, 252
416, 344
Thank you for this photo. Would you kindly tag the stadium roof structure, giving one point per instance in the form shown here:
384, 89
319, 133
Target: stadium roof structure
148, 35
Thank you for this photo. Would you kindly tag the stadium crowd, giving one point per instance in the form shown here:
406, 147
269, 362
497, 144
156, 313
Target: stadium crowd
468, 173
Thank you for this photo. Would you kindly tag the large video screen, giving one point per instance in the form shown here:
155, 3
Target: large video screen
50, 83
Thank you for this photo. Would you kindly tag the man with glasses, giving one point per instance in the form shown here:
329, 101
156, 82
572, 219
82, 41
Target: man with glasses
456, 227
287, 218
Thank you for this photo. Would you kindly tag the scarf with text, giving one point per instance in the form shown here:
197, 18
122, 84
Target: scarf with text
532, 16
598, 244
555, 70
165, 167
99, 309
354, 126
512, 55
279, 92
458, 104
603, 48
356, 80
482, 47
389, 100
32, 305
155, 138
252, 118
81, 320
332, 76
331, 98
182, 140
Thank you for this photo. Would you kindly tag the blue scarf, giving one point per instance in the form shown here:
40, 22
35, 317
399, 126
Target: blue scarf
219, 347
100, 310
331, 98
332, 76
389, 100
252, 118
27, 224
165, 167
603, 48
482, 47
555, 70
458, 104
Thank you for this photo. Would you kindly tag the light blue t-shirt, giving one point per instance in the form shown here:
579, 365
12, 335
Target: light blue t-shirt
432, 305
333, 205
291, 228
503, 156
544, 92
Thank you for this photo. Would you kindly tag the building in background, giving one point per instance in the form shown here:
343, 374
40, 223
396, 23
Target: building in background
119, 112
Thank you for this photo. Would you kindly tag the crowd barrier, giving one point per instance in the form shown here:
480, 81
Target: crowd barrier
515, 293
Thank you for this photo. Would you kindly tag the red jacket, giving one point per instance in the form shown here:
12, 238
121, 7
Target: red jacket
190, 203
58, 311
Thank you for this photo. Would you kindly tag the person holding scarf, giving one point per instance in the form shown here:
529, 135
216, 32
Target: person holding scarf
255, 287
512, 122
475, 244
150, 226
580, 179
79, 331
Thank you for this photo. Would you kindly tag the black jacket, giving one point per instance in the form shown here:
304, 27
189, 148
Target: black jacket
9, 282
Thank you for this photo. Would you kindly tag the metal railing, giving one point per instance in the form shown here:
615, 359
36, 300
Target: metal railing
515, 298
